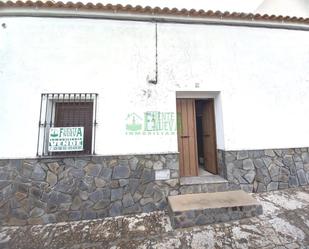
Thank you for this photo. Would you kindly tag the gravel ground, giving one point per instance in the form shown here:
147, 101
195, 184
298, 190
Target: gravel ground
284, 224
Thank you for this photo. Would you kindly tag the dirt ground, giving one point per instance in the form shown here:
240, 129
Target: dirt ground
284, 224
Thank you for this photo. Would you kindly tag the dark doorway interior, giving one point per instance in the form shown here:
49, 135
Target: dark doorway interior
199, 135
206, 136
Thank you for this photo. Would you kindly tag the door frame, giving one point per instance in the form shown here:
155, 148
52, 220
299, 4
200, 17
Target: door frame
199, 97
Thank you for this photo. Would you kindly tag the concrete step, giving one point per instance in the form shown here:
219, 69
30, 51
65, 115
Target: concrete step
207, 208
205, 184
189, 180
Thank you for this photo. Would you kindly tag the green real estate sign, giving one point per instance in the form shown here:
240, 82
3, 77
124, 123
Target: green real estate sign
151, 123
66, 139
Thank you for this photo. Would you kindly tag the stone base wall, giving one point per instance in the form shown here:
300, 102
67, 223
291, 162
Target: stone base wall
53, 190
267, 170
42, 191
221, 163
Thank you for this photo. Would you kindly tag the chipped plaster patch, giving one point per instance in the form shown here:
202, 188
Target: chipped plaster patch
252, 228
104, 229
37, 230
285, 229
142, 247
5, 233
245, 235
304, 219
270, 233
4, 237
222, 237
268, 207
289, 202
203, 240
168, 243
241, 237
85, 228
166, 224
134, 224
302, 196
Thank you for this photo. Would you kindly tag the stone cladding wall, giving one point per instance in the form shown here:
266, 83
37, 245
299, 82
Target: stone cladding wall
53, 190
39, 191
267, 170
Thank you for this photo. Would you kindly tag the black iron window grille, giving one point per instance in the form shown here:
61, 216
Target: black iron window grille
67, 110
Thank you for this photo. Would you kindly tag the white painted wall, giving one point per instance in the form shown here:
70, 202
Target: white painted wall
261, 75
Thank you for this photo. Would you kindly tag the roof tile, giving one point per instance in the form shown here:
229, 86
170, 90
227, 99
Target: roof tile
153, 11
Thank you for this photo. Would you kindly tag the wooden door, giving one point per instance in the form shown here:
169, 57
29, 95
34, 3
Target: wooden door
209, 137
187, 145
71, 114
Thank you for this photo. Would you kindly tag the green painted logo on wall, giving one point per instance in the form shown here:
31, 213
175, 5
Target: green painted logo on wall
151, 123
134, 122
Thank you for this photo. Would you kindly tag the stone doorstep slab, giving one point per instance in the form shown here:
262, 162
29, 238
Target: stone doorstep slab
201, 201
208, 208
212, 216
192, 180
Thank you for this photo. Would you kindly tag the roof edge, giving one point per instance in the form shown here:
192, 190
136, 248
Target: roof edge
70, 9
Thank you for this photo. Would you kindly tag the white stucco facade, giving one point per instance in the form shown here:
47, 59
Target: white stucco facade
259, 78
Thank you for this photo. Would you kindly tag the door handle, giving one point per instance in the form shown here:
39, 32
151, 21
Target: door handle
207, 135
184, 136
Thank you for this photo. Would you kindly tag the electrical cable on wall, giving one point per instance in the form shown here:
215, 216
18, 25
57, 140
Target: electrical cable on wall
155, 81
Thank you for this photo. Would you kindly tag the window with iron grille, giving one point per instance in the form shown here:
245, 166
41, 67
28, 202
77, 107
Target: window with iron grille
67, 111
